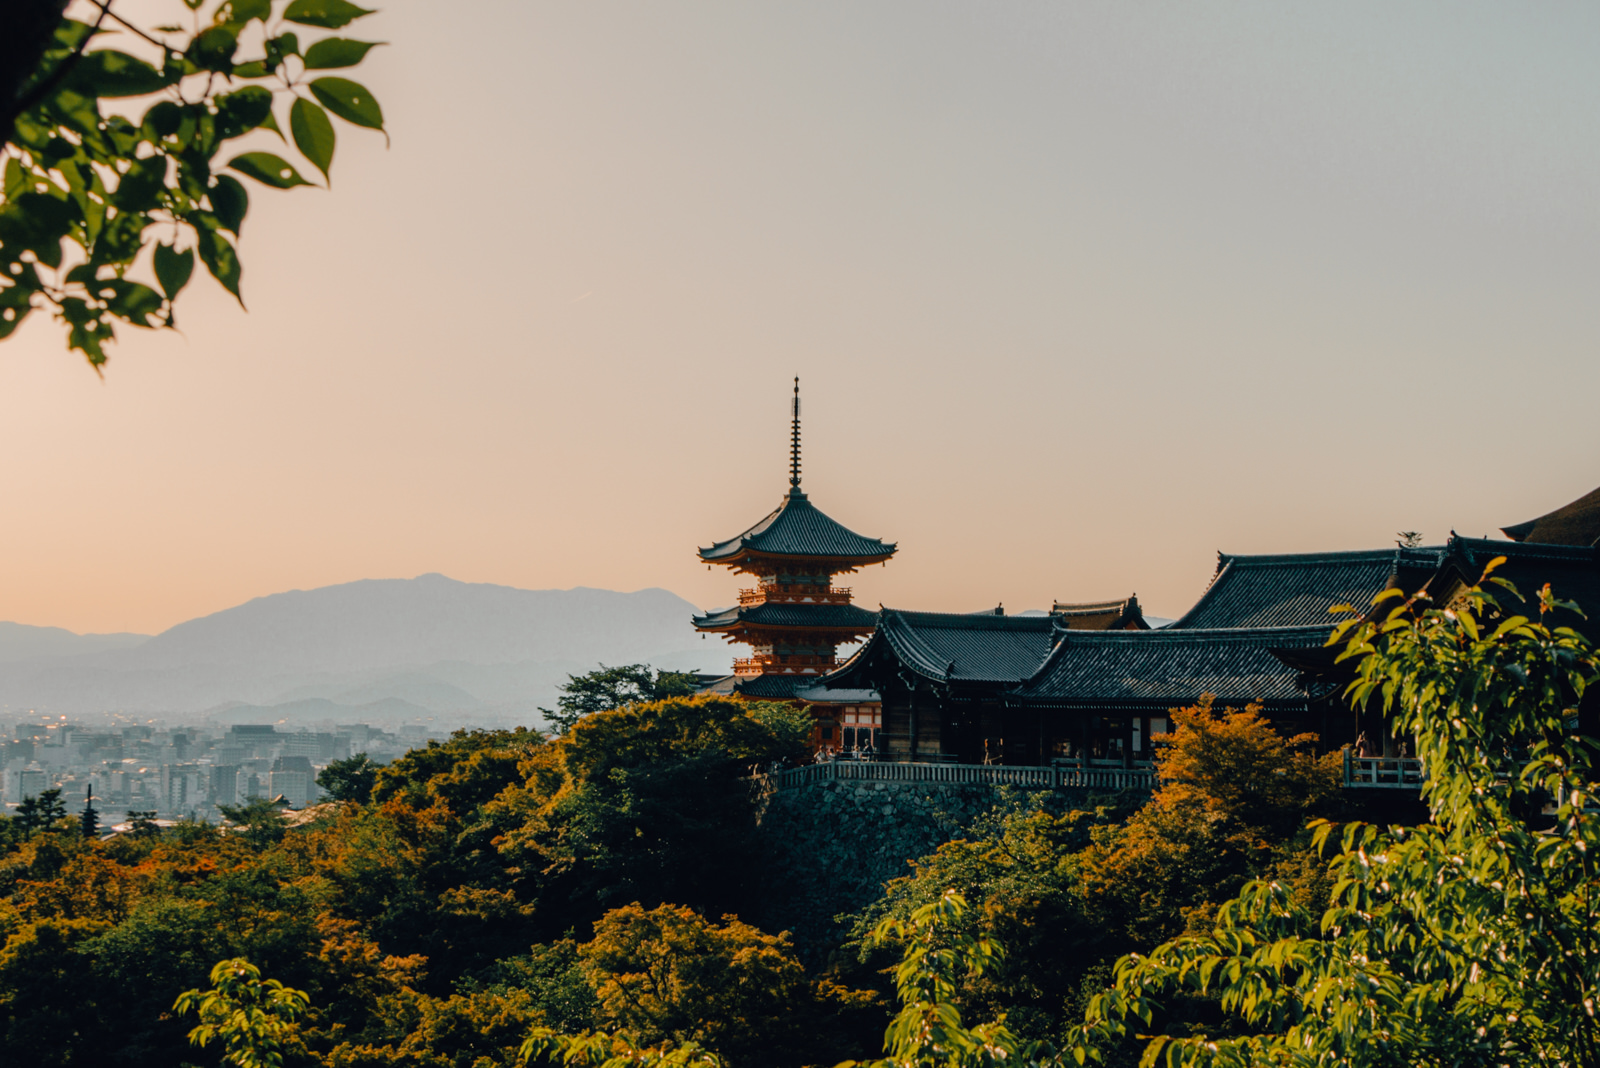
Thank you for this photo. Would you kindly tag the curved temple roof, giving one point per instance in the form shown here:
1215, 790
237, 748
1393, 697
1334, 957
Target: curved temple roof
799, 528
1577, 523
949, 647
1297, 589
1170, 668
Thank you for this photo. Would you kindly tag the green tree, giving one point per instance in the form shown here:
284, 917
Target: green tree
254, 1018
654, 805
91, 198
258, 820
1469, 940
666, 977
940, 955
42, 812
614, 687
350, 780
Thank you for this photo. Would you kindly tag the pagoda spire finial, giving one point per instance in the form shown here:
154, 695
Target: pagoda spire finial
794, 441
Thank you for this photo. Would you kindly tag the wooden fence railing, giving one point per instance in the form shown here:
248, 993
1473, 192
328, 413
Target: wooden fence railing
1054, 778
1391, 773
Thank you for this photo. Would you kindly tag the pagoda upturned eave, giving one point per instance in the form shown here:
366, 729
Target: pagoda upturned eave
842, 618
797, 530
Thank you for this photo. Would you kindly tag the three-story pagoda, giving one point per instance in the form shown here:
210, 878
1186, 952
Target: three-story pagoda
795, 618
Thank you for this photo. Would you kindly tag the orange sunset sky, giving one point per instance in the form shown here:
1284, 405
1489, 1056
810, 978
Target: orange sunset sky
1078, 294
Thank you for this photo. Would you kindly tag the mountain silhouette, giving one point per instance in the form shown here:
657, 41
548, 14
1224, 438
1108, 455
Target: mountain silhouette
430, 642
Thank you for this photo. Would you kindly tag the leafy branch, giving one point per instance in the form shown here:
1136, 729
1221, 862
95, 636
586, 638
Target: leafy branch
87, 191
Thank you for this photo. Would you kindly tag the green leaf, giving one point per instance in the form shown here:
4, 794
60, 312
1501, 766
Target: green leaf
349, 100
15, 304
213, 49
254, 69
173, 269
219, 256
17, 180
269, 169
230, 202
241, 11
140, 188
243, 111
110, 73
37, 221
329, 14
335, 52
162, 120
285, 44
313, 134
132, 301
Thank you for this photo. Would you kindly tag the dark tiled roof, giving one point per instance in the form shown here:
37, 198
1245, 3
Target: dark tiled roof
828, 695
1170, 667
799, 528
1297, 589
723, 685
775, 687
1101, 615
1577, 523
826, 616
964, 648
1573, 572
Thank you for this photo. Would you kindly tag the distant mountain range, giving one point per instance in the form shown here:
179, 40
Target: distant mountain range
374, 650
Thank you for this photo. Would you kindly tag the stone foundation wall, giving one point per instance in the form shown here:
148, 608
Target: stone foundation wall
833, 845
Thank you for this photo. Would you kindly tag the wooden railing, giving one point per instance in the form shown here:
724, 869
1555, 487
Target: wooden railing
795, 665
1053, 778
1391, 773
795, 595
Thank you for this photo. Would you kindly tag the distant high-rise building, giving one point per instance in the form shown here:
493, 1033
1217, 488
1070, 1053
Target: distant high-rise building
32, 781
224, 784
294, 779
256, 739
182, 786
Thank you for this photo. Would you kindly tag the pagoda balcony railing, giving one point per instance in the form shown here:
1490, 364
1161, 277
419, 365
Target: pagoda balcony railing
781, 664
794, 595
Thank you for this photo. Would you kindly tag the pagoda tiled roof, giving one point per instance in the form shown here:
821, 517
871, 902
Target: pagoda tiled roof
822, 616
1298, 589
952, 647
799, 528
1577, 523
1168, 668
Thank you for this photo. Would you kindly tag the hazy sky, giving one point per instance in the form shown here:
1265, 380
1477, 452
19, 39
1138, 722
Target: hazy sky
1079, 294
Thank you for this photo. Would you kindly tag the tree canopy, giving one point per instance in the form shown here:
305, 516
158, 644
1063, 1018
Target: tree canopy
612, 687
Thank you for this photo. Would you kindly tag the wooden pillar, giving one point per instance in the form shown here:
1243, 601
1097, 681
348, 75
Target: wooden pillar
911, 701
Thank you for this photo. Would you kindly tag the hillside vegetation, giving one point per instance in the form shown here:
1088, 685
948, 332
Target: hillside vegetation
504, 898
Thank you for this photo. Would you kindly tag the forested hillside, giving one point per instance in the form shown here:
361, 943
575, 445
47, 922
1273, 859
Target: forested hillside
502, 880
493, 899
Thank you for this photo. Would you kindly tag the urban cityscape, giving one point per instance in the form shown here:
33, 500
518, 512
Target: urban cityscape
178, 772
